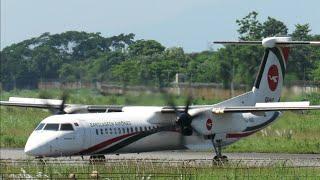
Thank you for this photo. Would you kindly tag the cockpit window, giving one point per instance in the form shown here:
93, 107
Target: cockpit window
40, 126
66, 127
51, 127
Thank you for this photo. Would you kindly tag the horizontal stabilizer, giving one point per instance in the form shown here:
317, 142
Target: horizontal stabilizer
264, 107
271, 42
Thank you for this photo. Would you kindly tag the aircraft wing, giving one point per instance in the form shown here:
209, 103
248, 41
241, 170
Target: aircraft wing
54, 104
264, 107
32, 102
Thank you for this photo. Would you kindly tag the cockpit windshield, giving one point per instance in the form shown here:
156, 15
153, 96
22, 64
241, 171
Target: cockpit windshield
55, 127
51, 127
40, 126
66, 127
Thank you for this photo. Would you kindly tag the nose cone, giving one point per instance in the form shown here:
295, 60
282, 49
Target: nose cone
35, 146
32, 148
31, 151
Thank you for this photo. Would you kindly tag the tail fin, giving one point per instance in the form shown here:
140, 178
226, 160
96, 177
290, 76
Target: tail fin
270, 78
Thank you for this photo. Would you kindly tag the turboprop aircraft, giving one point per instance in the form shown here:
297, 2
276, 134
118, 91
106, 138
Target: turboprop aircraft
96, 130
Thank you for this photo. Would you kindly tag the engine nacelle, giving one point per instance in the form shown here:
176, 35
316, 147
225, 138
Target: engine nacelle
208, 123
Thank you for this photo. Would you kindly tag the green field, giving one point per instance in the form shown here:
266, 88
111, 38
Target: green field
291, 133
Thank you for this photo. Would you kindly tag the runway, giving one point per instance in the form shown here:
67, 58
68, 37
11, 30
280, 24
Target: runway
190, 156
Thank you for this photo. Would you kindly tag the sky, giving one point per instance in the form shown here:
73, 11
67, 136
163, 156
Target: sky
191, 24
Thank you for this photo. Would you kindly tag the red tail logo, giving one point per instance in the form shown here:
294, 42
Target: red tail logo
273, 77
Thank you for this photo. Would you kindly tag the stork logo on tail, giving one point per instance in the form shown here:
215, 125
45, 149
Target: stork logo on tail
273, 77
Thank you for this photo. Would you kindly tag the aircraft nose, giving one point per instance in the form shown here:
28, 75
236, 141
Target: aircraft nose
32, 149
35, 147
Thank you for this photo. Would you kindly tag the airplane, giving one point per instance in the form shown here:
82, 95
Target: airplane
98, 130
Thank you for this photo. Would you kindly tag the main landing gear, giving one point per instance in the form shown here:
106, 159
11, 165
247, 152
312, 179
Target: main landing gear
217, 146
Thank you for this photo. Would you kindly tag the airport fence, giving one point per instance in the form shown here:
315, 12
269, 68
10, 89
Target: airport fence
160, 169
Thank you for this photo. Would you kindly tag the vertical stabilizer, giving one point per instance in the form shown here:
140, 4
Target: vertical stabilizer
270, 77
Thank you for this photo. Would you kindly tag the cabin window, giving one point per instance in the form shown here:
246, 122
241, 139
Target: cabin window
51, 127
123, 130
110, 130
119, 130
145, 128
106, 131
40, 126
115, 131
131, 129
136, 128
128, 130
101, 131
76, 124
97, 131
141, 129
66, 127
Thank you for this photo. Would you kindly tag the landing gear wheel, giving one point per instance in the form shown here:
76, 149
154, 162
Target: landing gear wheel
221, 158
97, 159
42, 160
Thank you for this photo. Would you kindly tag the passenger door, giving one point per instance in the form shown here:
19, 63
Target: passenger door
83, 135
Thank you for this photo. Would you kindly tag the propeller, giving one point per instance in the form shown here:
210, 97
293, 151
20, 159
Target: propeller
184, 118
61, 107
64, 98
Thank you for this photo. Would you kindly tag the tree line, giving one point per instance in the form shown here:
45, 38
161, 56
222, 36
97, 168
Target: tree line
73, 56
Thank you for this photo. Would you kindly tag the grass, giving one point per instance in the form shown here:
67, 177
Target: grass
291, 133
146, 169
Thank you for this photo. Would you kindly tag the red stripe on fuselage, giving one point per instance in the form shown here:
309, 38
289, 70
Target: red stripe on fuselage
105, 143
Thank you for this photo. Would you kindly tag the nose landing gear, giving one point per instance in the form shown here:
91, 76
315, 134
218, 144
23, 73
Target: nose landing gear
97, 158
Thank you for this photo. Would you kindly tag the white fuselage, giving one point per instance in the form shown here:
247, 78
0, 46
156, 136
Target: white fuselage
134, 131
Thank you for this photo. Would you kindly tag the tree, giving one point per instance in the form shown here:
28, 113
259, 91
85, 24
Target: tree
69, 73
145, 48
249, 27
273, 27
48, 61
127, 72
316, 72
203, 67
302, 64
301, 32
42, 57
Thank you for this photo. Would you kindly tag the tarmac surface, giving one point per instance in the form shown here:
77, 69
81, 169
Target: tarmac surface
310, 160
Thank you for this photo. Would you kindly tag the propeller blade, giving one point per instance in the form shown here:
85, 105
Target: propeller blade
62, 105
169, 100
61, 108
188, 102
182, 139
